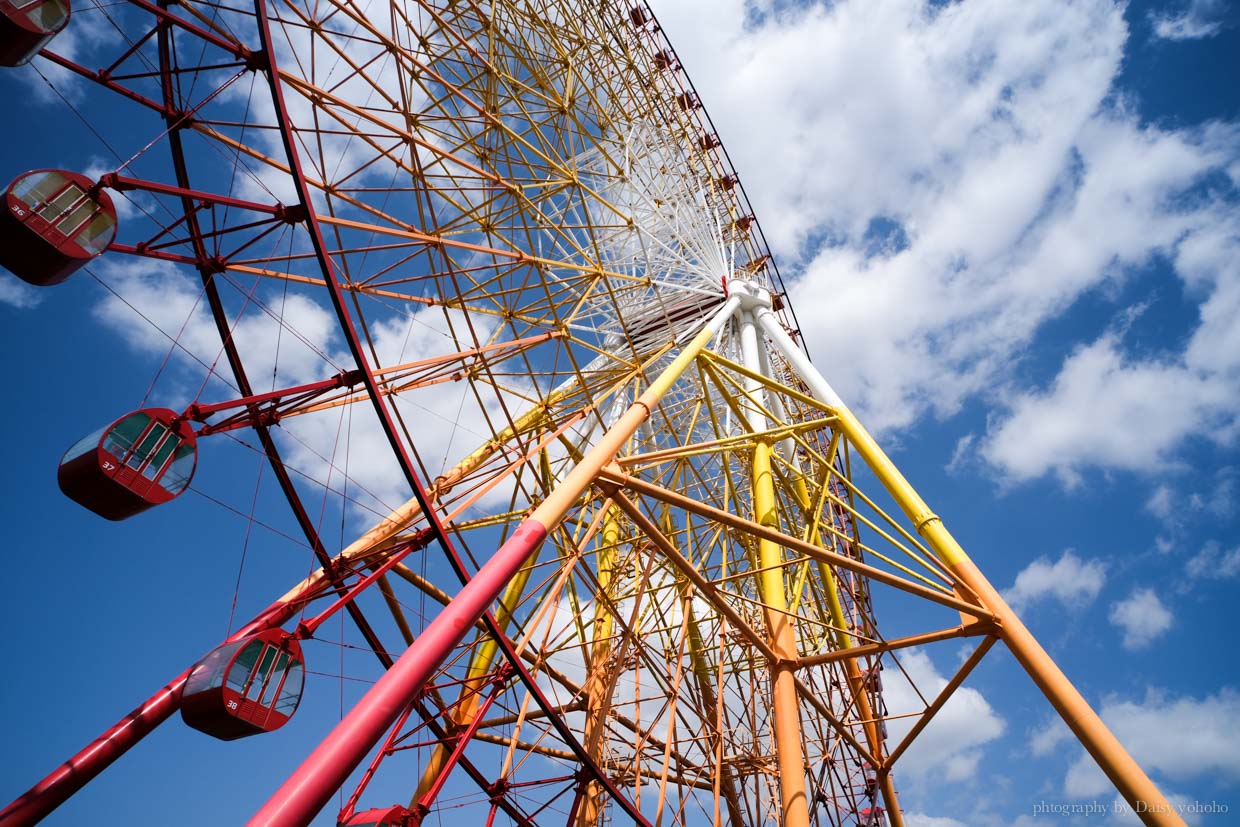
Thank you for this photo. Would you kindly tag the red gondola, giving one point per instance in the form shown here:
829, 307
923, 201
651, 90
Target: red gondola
872, 817
743, 223
27, 25
51, 223
664, 60
380, 817
246, 687
141, 460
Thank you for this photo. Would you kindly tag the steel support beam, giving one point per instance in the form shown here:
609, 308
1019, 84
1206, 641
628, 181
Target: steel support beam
1131, 781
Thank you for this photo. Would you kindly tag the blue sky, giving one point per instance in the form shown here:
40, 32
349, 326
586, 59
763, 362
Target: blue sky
1011, 234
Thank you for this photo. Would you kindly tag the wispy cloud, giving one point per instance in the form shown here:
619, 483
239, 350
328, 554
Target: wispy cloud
1213, 561
1201, 18
291, 338
17, 293
1046, 738
923, 820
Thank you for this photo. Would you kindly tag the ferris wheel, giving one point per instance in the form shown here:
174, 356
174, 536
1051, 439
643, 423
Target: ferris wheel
485, 284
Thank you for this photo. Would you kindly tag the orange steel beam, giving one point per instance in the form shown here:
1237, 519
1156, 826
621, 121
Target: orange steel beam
944, 694
963, 630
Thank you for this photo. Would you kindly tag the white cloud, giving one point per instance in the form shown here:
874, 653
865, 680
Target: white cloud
961, 453
1221, 499
1179, 738
923, 820
1142, 618
1085, 779
951, 745
1161, 503
1202, 18
1212, 561
989, 133
1052, 733
85, 37
16, 293
153, 303
1183, 511
1070, 580
1107, 410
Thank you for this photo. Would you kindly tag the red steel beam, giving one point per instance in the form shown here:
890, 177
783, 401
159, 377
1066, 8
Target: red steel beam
60, 784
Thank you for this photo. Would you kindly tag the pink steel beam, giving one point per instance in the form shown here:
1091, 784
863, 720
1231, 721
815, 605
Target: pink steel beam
301, 797
37, 802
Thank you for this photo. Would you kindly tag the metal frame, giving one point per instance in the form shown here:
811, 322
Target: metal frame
679, 605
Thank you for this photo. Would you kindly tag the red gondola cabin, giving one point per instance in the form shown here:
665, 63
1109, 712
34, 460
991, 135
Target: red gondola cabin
250, 686
872, 817
51, 223
27, 25
141, 460
380, 817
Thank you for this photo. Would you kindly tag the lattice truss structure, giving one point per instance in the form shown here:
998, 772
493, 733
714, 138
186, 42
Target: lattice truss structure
673, 531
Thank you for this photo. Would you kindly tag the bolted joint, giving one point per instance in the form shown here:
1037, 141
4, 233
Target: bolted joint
291, 214
255, 61
502, 673
110, 181
349, 378
213, 265
497, 789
